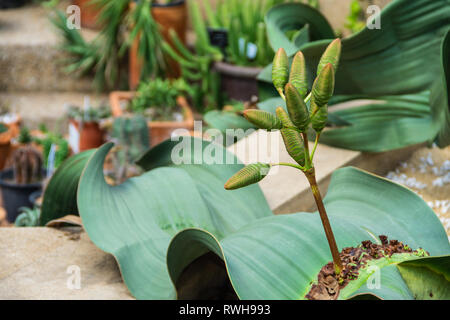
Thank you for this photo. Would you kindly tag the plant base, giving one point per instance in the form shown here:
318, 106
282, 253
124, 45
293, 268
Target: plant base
353, 258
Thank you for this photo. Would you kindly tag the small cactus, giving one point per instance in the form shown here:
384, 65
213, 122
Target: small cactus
27, 165
131, 133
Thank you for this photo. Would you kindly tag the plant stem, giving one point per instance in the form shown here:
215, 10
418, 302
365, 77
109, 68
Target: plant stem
315, 146
306, 144
308, 97
288, 165
311, 175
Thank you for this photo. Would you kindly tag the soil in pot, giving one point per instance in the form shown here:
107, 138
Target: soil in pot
15, 195
353, 258
238, 83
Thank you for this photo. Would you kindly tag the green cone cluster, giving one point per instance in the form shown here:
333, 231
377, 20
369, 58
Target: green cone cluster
293, 88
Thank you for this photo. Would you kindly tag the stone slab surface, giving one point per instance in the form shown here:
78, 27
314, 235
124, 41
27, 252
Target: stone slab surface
34, 264
29, 55
47, 107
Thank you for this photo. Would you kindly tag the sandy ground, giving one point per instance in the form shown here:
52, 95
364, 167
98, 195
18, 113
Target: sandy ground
427, 173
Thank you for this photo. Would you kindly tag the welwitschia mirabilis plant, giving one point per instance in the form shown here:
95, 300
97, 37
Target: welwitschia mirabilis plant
293, 125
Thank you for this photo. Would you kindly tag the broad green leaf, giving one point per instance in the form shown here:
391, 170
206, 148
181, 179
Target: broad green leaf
136, 220
60, 197
428, 278
176, 213
401, 57
440, 97
278, 257
295, 16
384, 126
223, 120
400, 120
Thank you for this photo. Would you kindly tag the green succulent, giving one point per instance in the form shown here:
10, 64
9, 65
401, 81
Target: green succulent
160, 96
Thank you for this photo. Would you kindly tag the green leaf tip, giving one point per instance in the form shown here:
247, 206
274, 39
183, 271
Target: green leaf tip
280, 70
294, 145
263, 119
253, 173
298, 75
297, 109
323, 86
331, 55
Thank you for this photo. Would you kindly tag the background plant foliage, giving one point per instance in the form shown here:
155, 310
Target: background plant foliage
396, 65
159, 223
105, 55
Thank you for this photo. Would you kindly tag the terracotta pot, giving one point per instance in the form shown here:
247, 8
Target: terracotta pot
239, 83
158, 130
168, 16
91, 135
89, 14
6, 148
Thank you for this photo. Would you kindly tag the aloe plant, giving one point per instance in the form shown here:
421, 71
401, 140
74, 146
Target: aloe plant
244, 21
355, 19
196, 67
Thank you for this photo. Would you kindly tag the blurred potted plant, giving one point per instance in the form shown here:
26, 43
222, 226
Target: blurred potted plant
106, 55
9, 129
24, 178
85, 131
169, 15
55, 149
5, 144
130, 135
244, 43
161, 102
